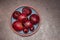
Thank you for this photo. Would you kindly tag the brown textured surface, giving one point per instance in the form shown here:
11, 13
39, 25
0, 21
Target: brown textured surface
49, 11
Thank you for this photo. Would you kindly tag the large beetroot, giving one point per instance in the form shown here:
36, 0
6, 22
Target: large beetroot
34, 18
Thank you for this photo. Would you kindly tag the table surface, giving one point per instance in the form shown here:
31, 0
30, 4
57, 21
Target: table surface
49, 12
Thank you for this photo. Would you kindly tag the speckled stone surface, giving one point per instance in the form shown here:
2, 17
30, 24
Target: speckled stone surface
49, 11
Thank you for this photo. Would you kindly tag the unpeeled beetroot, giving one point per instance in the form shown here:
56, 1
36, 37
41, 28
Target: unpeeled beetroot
27, 24
25, 30
22, 17
34, 19
32, 29
26, 10
17, 26
16, 14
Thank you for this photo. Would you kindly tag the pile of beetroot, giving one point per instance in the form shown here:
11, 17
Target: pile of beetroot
23, 22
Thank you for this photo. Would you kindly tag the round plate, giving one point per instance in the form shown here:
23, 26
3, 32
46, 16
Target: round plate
36, 26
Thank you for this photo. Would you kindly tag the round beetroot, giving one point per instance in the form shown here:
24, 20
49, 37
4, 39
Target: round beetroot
26, 10
32, 29
27, 24
25, 30
22, 17
34, 18
17, 26
16, 14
